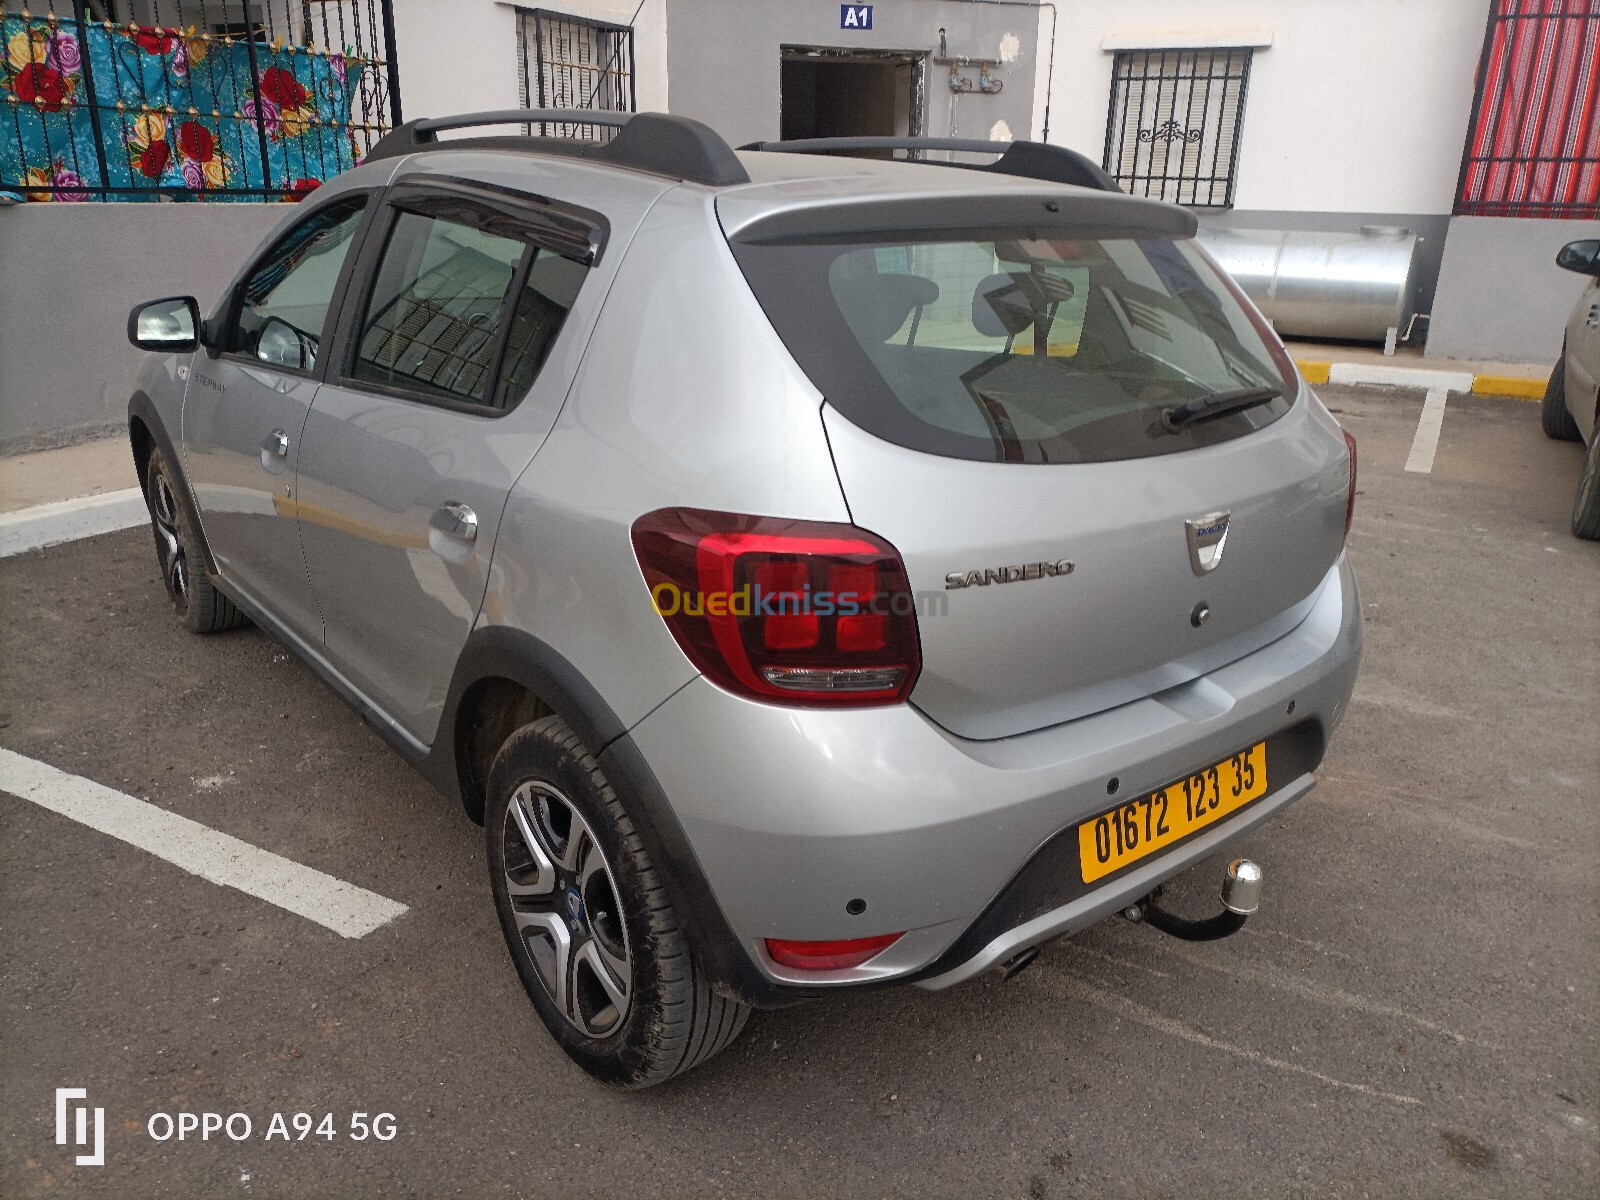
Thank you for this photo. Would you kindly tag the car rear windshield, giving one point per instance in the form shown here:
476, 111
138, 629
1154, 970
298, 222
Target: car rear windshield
1008, 346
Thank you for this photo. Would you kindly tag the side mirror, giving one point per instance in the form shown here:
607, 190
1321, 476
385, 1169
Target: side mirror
282, 345
171, 325
1582, 257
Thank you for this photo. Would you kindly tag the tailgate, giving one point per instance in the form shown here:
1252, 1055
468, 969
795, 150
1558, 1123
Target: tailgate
1018, 648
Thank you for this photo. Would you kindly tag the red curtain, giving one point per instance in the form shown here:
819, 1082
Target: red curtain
1533, 148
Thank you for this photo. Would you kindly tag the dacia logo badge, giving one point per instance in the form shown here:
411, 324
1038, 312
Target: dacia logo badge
1207, 537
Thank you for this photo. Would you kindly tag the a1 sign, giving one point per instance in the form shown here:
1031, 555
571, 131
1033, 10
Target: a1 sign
855, 16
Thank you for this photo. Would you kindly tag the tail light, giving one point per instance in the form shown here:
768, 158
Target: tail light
791, 612
1350, 499
828, 956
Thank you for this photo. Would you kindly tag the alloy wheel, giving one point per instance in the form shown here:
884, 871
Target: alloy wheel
1589, 481
170, 549
567, 910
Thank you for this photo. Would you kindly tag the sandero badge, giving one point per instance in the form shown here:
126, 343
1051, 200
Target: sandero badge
1015, 573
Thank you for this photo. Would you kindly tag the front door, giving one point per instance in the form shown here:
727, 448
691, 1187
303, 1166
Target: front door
245, 409
1583, 359
411, 450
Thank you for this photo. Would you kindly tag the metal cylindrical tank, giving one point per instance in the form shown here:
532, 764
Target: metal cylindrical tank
1314, 284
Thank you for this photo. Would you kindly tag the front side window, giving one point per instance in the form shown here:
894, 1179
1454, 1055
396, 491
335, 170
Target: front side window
440, 322
284, 304
1014, 347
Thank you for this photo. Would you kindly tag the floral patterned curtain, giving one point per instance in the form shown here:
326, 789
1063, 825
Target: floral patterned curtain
204, 114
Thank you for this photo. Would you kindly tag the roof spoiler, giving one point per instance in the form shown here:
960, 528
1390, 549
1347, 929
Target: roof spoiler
659, 143
1030, 160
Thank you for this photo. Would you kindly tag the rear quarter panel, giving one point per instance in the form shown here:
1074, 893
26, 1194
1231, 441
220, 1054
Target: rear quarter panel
686, 397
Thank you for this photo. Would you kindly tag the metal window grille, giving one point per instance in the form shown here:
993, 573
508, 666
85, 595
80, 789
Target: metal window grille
1173, 128
190, 99
571, 62
1533, 145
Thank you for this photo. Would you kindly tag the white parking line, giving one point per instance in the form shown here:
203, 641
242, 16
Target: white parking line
348, 910
1387, 376
1426, 442
67, 520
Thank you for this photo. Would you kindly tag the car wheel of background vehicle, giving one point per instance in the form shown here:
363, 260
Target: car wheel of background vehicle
587, 920
202, 608
1553, 414
1586, 509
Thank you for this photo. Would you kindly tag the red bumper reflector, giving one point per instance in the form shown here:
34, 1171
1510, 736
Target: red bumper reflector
828, 956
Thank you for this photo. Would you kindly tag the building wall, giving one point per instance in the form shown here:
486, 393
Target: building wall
1501, 295
72, 273
724, 59
1355, 106
462, 56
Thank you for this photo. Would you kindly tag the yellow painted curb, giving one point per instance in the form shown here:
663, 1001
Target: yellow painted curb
1515, 386
1508, 385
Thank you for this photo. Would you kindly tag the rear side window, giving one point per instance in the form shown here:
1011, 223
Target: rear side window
1007, 346
462, 315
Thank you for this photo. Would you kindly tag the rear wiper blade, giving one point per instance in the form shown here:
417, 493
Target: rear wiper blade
1217, 404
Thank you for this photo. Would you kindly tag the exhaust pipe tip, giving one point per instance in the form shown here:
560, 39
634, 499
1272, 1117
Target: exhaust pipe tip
1241, 887
1018, 963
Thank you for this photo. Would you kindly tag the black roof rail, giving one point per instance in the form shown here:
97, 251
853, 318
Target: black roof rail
1030, 160
660, 143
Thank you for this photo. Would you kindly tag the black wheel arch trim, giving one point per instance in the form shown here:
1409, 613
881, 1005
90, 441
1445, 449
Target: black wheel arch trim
501, 652
143, 410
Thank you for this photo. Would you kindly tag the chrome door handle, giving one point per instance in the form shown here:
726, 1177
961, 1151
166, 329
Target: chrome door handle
276, 444
455, 520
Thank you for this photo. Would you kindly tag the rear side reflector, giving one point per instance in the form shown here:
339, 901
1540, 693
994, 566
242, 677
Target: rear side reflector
828, 956
790, 612
1350, 499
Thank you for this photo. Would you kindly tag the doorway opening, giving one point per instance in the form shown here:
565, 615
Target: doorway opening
850, 93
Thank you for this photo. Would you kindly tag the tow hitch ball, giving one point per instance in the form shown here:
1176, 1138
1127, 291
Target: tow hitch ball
1241, 896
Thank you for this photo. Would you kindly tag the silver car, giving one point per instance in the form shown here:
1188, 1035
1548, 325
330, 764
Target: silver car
815, 572
1571, 410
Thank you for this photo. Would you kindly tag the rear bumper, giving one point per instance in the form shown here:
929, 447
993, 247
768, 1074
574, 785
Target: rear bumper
793, 813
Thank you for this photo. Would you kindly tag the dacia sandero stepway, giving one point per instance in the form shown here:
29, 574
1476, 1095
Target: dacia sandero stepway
814, 571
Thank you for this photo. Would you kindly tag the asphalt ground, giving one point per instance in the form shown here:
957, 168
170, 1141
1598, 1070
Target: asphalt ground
1413, 1013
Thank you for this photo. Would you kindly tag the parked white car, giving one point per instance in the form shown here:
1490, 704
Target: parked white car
1572, 398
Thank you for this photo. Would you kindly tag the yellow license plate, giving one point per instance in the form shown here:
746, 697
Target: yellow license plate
1151, 823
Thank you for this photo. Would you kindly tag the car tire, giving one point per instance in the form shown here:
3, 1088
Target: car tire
596, 941
179, 552
1586, 508
1553, 414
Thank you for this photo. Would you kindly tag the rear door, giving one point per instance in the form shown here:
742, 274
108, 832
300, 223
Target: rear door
244, 410
998, 405
460, 343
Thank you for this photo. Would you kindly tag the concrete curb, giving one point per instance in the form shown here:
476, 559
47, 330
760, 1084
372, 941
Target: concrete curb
1422, 378
68, 520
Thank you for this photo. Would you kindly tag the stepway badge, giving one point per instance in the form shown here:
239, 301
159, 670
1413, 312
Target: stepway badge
855, 16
